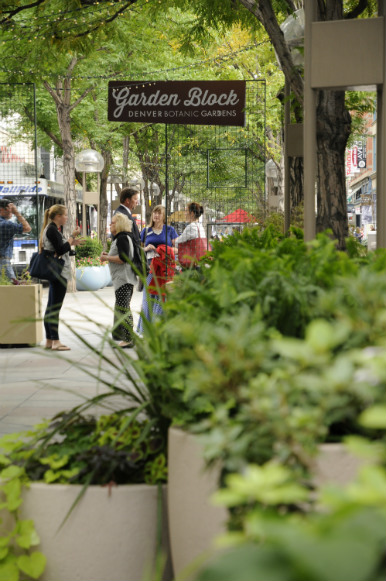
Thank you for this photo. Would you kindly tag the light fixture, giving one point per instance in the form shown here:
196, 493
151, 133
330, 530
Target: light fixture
89, 161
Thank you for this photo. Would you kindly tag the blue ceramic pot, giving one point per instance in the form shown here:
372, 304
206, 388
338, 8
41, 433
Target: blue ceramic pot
108, 281
90, 278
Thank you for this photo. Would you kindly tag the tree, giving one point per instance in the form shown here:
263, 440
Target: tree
333, 117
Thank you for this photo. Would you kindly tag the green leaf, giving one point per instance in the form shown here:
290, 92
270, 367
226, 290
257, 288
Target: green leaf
55, 461
247, 563
9, 570
4, 460
11, 472
12, 491
4, 541
3, 553
374, 417
33, 565
27, 535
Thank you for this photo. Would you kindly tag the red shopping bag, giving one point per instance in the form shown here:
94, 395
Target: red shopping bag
190, 252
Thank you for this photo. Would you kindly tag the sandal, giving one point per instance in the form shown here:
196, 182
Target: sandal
61, 348
126, 344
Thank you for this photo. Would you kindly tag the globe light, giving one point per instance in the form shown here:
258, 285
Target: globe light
89, 161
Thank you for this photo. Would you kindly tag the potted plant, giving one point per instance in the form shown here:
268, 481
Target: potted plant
232, 343
90, 273
21, 321
343, 539
91, 489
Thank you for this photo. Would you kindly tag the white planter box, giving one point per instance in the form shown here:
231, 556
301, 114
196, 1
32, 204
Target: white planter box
109, 536
21, 315
336, 465
193, 521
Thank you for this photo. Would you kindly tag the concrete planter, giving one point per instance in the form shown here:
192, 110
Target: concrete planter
90, 278
21, 314
109, 535
336, 465
193, 521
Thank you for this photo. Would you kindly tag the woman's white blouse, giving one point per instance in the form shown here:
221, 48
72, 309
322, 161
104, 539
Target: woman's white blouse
192, 230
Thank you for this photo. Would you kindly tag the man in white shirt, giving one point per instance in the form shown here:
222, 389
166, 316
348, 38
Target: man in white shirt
129, 199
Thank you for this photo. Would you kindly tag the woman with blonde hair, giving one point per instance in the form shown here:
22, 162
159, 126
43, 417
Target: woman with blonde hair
53, 241
123, 277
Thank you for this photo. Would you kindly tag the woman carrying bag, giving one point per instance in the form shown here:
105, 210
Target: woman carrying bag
192, 244
53, 241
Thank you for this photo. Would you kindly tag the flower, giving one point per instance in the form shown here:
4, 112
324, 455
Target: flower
87, 261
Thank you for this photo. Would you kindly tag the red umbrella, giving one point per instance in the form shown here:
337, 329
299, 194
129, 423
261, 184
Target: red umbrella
239, 216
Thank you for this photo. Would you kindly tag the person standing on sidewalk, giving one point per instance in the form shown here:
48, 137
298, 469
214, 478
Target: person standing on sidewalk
129, 199
52, 239
8, 230
123, 278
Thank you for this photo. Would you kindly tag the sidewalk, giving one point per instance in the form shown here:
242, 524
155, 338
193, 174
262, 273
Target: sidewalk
36, 383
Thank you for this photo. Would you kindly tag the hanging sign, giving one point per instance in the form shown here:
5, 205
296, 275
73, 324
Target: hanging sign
178, 102
361, 145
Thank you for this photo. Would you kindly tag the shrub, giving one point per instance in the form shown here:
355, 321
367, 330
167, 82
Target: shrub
92, 248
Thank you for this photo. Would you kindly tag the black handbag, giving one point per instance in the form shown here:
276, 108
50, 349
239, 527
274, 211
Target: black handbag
46, 266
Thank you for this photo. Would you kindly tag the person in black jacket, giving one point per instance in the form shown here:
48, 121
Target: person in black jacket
52, 239
129, 199
123, 278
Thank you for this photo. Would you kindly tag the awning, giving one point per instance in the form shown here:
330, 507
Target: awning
177, 216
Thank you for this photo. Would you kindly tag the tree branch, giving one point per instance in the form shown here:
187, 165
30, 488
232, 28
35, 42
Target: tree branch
84, 94
51, 135
58, 100
12, 13
113, 17
265, 14
355, 12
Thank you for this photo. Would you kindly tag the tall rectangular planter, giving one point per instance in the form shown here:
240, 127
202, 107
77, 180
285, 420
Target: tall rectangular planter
21, 314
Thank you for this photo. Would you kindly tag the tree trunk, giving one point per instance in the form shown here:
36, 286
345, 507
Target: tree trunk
62, 98
68, 180
333, 131
103, 201
296, 176
333, 122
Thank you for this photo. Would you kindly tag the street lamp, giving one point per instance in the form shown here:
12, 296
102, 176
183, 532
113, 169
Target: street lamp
89, 161
154, 189
293, 30
272, 177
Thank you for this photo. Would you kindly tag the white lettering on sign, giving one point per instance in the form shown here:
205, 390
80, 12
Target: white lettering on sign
19, 189
197, 98
124, 97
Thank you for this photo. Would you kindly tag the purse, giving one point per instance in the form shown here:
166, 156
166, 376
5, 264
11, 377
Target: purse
46, 266
190, 252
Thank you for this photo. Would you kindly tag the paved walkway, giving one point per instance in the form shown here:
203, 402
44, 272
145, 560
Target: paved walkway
36, 383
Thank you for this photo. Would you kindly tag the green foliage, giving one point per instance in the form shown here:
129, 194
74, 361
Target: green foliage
4, 280
343, 539
18, 540
282, 277
85, 450
92, 248
85, 261
264, 350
